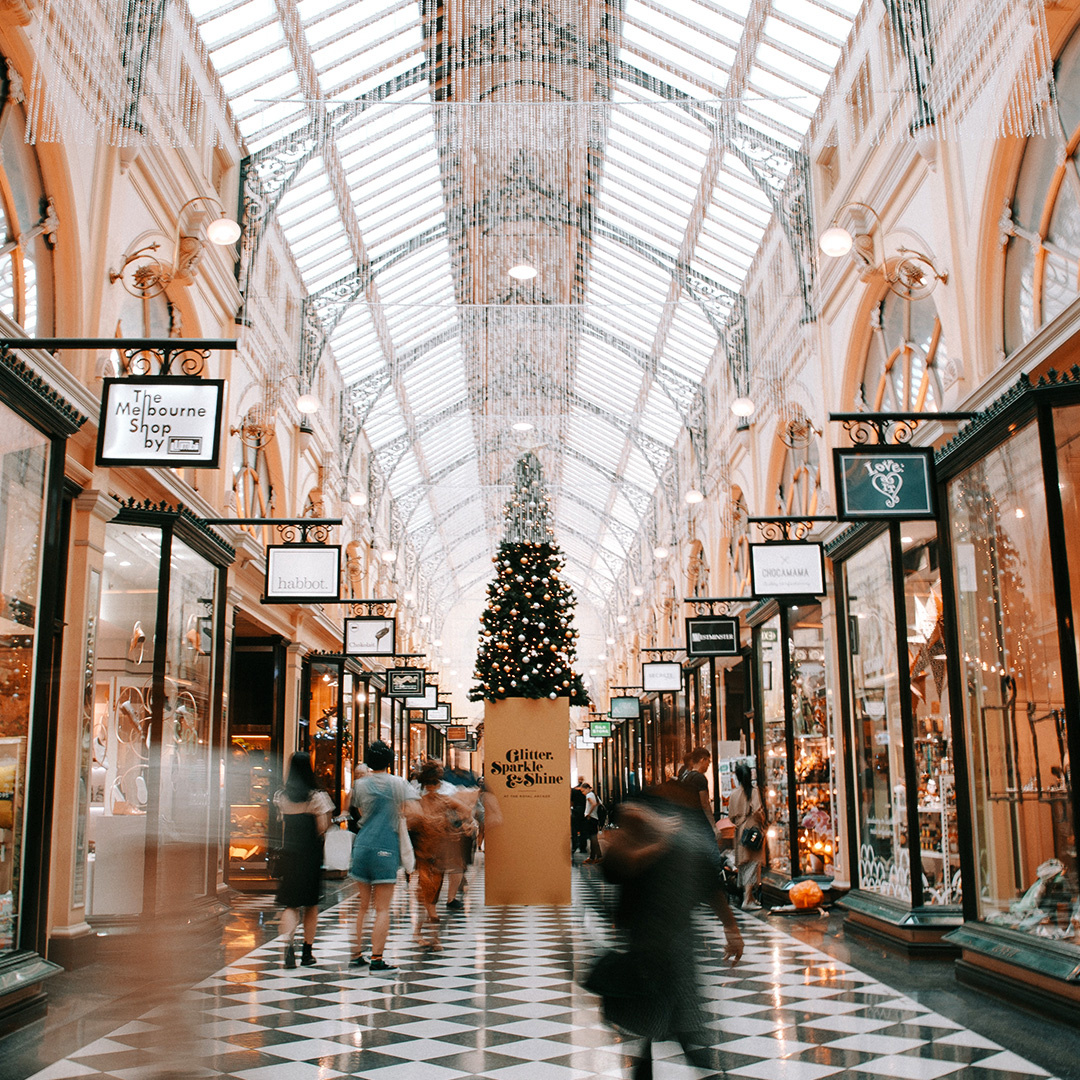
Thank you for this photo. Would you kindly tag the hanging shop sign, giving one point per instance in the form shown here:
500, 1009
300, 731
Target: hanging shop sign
163, 420
457, 733
787, 568
302, 573
469, 744
600, 729
426, 700
586, 742
661, 676
404, 682
712, 635
438, 714
625, 708
884, 482
370, 635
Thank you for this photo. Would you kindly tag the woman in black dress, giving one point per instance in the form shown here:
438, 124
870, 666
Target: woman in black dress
305, 811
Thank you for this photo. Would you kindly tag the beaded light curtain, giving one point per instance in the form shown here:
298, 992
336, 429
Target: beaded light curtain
126, 71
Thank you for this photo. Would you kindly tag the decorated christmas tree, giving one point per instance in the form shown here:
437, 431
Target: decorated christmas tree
527, 638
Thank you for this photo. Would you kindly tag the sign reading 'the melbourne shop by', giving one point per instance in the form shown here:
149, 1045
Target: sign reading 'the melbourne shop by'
883, 482
163, 420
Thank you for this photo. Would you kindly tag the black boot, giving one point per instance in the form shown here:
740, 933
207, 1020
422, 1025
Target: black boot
290, 956
306, 957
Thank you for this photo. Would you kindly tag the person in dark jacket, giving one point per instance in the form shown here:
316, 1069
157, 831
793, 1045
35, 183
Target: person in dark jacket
661, 863
305, 812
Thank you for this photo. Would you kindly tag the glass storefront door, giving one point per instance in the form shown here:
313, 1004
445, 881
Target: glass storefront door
1007, 624
153, 785
24, 460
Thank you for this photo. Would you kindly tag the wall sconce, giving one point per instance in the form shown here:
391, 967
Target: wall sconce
909, 273
260, 421
144, 275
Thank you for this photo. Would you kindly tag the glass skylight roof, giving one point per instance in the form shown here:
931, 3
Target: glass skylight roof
436, 185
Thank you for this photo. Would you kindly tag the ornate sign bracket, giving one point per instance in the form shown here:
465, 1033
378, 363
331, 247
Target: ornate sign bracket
142, 356
797, 527
715, 605
290, 530
673, 649
383, 608
868, 428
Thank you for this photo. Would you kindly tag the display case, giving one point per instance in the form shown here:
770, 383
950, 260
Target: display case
796, 742
251, 784
905, 843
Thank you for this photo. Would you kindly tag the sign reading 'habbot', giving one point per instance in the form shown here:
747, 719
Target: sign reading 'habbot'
302, 573
164, 420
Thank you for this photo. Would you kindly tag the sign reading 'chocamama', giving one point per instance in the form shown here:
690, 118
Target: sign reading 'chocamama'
164, 420
526, 768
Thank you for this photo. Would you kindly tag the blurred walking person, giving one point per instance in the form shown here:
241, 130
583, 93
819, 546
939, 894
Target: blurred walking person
439, 825
305, 812
377, 804
650, 988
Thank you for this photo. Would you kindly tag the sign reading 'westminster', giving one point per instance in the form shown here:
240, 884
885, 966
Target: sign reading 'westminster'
712, 635
885, 482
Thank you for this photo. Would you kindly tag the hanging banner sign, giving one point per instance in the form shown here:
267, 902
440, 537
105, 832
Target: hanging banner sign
600, 729
457, 732
404, 682
712, 635
661, 676
302, 573
584, 742
160, 420
438, 714
370, 635
787, 568
427, 700
885, 482
625, 708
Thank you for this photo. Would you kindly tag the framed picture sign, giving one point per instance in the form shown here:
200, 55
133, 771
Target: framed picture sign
370, 635
302, 573
787, 568
404, 682
885, 482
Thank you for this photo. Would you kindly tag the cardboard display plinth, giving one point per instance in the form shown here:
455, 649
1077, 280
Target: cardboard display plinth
527, 777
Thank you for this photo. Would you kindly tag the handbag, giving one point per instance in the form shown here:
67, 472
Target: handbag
405, 848
752, 838
632, 997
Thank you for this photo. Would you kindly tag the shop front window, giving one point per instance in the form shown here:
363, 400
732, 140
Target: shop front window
771, 676
123, 679
152, 789
186, 740
1013, 693
815, 804
325, 723
931, 722
24, 456
884, 856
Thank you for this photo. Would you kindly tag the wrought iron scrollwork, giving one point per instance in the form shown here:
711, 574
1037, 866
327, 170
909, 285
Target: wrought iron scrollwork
382, 608
300, 532
896, 428
143, 361
773, 529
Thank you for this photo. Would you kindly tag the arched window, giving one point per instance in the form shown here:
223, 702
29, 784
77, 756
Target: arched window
905, 357
1042, 225
28, 222
798, 492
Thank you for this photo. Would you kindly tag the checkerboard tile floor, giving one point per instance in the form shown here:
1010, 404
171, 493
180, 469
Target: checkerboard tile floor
502, 1001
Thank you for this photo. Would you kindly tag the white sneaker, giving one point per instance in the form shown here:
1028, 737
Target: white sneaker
752, 906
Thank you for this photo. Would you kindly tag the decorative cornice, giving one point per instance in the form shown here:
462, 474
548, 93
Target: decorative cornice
98, 504
42, 404
224, 551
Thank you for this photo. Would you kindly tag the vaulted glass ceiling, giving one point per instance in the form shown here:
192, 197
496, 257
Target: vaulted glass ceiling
632, 152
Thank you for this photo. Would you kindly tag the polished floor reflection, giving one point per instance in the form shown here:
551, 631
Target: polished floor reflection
502, 1000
